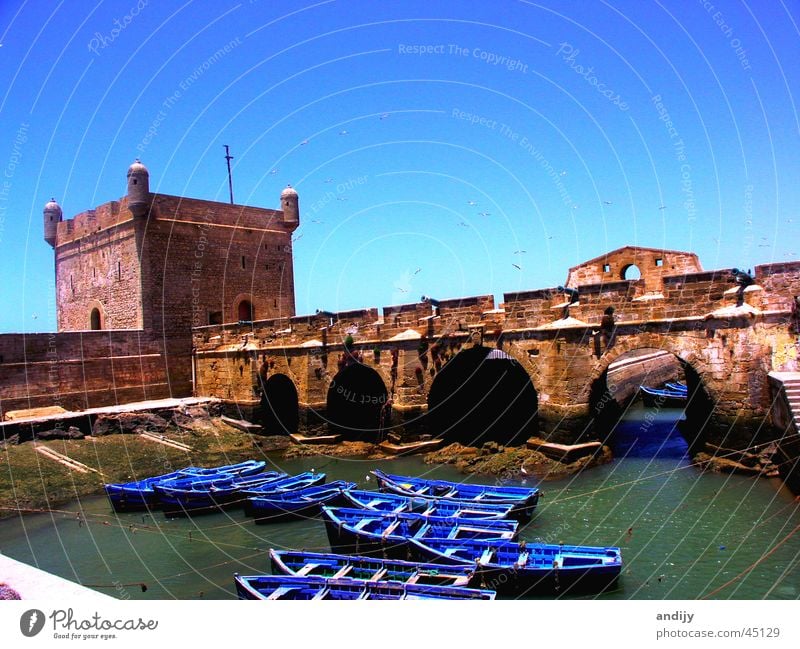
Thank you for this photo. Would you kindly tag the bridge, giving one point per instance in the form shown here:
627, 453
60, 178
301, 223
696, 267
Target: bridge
468, 370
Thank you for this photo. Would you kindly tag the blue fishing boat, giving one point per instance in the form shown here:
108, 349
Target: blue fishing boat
297, 504
286, 484
387, 501
210, 495
527, 568
139, 495
362, 531
523, 499
317, 564
653, 397
283, 587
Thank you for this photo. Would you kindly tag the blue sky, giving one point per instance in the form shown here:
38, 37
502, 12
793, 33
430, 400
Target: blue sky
430, 142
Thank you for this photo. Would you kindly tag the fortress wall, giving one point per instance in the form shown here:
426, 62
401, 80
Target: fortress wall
77, 370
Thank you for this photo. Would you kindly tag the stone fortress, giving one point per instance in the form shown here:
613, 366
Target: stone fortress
163, 296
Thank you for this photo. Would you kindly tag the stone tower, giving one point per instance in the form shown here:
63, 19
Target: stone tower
290, 207
52, 217
138, 189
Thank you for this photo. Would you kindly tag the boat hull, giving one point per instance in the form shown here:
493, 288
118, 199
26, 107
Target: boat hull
548, 570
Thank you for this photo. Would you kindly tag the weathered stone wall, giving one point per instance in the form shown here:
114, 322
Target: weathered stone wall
97, 266
654, 264
80, 370
691, 316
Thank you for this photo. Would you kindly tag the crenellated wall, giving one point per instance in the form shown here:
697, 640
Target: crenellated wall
692, 316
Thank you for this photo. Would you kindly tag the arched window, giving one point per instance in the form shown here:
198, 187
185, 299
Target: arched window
631, 271
95, 321
245, 311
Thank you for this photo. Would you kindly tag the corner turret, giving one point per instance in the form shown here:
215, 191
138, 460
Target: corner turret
138, 189
52, 217
290, 207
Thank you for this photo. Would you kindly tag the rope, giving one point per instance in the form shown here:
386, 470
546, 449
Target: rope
752, 566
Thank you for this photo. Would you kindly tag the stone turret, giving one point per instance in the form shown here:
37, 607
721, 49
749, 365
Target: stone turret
290, 207
138, 189
52, 217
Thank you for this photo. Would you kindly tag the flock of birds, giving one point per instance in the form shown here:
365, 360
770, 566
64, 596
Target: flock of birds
484, 213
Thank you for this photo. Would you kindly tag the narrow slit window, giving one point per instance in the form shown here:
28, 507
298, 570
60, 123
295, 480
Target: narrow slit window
119, 271
243, 262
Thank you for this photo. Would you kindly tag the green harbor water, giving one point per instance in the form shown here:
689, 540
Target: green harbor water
684, 534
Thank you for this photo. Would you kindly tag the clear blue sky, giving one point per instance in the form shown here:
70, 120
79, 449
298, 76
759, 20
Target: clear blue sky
544, 115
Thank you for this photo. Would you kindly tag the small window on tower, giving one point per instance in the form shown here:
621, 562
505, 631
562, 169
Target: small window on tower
243, 264
215, 317
134, 181
606, 268
119, 271
659, 262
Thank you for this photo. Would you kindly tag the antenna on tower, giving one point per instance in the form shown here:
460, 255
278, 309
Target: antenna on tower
228, 158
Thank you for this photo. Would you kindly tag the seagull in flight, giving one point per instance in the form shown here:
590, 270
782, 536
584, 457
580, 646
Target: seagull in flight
273, 172
484, 213
328, 180
663, 207
520, 252
341, 198
606, 202
471, 203
517, 267
463, 225
304, 142
416, 271
563, 173
384, 115
317, 221
342, 132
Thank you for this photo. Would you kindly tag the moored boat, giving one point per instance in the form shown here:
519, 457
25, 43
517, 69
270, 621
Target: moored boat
283, 587
297, 504
303, 564
362, 531
210, 495
523, 499
387, 501
139, 495
676, 386
527, 568
653, 397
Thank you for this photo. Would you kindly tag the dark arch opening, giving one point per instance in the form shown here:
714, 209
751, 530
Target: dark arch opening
95, 321
355, 399
279, 411
483, 395
631, 271
638, 423
245, 311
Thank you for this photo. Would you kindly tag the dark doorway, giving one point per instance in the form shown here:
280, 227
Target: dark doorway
355, 399
279, 413
95, 321
483, 395
246, 313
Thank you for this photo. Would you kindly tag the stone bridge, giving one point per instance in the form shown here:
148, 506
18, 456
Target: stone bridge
469, 371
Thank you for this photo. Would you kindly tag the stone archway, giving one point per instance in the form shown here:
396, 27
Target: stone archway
612, 400
356, 397
279, 406
483, 395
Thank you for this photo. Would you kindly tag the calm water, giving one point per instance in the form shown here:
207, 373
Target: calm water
684, 534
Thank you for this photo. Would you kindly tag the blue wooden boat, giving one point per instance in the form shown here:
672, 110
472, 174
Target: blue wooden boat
317, 564
523, 499
139, 495
297, 504
286, 484
527, 568
210, 495
283, 587
362, 531
653, 397
676, 387
387, 501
